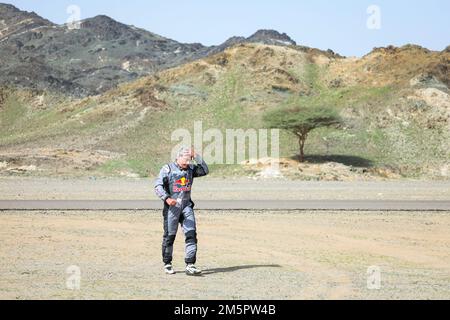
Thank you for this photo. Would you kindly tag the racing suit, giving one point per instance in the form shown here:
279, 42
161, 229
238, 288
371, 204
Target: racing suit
176, 183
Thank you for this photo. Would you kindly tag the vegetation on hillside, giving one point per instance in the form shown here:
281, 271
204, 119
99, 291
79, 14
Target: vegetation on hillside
398, 125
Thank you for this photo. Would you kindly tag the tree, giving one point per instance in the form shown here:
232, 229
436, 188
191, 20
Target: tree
301, 121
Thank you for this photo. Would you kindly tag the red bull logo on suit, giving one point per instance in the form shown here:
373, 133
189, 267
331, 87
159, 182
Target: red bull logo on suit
182, 185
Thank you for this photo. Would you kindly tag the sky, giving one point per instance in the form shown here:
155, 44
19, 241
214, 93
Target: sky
348, 27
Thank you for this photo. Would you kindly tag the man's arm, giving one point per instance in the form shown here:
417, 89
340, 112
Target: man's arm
201, 169
160, 183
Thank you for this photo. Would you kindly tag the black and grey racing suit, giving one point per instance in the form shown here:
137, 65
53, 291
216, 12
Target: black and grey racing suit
176, 183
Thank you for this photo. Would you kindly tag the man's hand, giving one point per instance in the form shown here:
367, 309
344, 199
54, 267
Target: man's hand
193, 153
171, 202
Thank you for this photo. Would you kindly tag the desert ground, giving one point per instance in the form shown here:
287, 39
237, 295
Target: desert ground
244, 255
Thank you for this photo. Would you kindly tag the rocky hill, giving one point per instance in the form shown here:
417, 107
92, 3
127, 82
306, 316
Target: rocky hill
13, 21
270, 37
395, 102
98, 56
86, 61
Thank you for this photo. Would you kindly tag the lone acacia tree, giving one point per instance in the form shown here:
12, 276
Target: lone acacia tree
301, 121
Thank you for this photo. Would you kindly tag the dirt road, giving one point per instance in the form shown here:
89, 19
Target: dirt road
276, 205
27, 188
245, 255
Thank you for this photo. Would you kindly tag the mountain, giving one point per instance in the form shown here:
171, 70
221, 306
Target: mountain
270, 37
111, 95
98, 56
86, 61
395, 102
13, 21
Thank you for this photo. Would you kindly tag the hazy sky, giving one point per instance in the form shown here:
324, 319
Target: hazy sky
341, 25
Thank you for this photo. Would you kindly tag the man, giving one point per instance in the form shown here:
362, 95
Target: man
173, 186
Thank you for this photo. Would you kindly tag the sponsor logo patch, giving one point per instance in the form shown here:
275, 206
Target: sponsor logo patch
182, 185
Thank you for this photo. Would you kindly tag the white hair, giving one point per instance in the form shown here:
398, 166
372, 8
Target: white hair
183, 152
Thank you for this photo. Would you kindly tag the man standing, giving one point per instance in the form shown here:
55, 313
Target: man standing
173, 186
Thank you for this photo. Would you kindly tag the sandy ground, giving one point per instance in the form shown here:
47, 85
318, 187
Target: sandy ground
23, 188
244, 255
